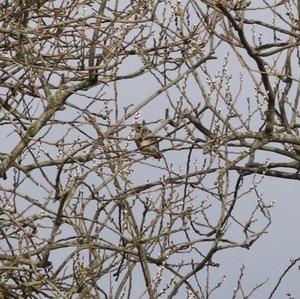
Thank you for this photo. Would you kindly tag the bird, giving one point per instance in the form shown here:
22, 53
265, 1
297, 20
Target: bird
146, 143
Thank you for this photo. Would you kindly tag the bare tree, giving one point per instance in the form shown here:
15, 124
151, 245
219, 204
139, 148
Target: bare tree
131, 133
